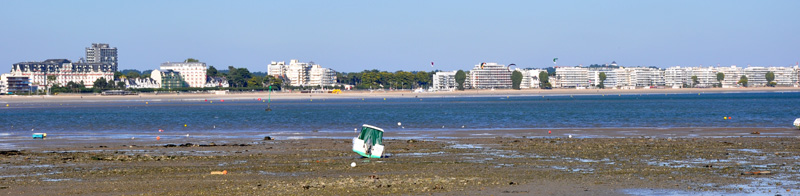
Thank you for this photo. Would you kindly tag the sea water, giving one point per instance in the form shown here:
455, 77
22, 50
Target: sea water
764, 110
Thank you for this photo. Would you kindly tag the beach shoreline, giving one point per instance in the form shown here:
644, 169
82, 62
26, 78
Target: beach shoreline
366, 94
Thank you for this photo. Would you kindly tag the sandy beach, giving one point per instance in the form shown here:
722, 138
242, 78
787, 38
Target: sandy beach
358, 94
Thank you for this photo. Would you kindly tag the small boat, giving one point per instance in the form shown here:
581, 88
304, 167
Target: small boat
369, 142
797, 123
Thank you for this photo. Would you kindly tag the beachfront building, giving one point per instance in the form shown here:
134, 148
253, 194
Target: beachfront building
732, 75
645, 77
14, 84
530, 78
675, 77
706, 76
612, 77
277, 69
168, 79
140, 83
444, 81
302, 74
756, 76
319, 76
572, 77
101, 53
489, 76
217, 82
193, 73
64, 72
784, 76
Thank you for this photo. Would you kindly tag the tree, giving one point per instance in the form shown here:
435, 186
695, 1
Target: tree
720, 77
602, 80
460, 78
694, 81
516, 79
211, 71
117, 75
544, 80
121, 85
238, 77
132, 75
191, 60
100, 83
770, 77
743, 81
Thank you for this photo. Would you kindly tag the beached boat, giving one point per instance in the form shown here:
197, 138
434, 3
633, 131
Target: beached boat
797, 123
369, 142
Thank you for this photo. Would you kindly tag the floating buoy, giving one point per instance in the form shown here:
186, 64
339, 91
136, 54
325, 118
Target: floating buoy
6, 105
384, 99
158, 138
146, 103
259, 99
160, 130
133, 137
398, 124
206, 100
187, 135
549, 132
730, 117
353, 164
221, 100
311, 100
184, 125
39, 135
211, 102
570, 136
223, 172
726, 118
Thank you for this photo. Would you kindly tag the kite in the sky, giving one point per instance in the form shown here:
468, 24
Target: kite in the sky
554, 60
509, 66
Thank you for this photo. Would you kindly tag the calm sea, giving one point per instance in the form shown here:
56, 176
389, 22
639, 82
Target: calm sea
774, 109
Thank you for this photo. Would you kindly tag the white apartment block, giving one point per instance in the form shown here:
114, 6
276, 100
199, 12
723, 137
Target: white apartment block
572, 77
785, 76
276, 69
444, 80
489, 76
319, 76
194, 74
756, 76
675, 77
613, 79
302, 74
732, 75
706, 76
530, 78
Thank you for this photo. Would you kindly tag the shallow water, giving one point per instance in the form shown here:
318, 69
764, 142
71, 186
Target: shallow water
132, 118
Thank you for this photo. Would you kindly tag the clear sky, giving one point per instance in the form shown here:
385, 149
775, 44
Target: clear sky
406, 35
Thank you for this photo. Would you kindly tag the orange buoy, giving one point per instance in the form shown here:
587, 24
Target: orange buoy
221, 100
160, 130
259, 99
158, 138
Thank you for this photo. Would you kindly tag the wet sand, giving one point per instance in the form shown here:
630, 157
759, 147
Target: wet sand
479, 162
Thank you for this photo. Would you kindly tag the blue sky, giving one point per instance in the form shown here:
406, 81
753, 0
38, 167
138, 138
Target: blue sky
406, 35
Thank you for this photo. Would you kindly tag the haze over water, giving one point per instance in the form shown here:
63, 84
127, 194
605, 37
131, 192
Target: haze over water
761, 110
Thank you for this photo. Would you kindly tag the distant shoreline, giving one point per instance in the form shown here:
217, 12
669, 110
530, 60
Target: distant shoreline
382, 94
